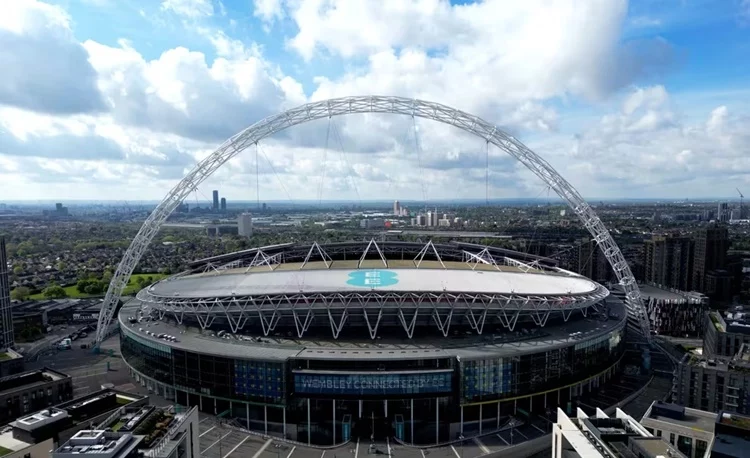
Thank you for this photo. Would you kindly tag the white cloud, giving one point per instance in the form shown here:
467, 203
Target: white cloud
269, 10
42, 67
180, 92
191, 9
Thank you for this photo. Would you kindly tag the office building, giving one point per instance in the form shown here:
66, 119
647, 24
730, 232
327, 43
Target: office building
372, 223
711, 245
690, 430
668, 262
31, 391
396, 208
6, 315
245, 225
724, 337
604, 437
223, 204
421, 220
714, 384
216, 200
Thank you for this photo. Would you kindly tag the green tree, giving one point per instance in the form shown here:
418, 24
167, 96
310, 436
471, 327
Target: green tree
61, 266
54, 292
20, 293
18, 270
107, 276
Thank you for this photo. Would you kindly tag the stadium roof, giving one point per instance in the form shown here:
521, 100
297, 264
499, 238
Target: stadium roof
456, 280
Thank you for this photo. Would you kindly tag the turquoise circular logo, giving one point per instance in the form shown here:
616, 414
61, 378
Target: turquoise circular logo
372, 278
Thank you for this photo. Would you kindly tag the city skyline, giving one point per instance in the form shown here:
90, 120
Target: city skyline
654, 123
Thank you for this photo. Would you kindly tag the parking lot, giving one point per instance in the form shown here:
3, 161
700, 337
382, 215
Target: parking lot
220, 441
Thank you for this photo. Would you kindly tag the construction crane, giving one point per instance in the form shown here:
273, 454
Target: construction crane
742, 210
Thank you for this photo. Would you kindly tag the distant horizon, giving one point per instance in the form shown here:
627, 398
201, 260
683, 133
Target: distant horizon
373, 201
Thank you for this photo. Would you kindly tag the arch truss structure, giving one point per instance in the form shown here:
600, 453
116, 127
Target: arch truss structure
637, 316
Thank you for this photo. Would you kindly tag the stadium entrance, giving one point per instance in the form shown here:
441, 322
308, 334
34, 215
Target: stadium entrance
373, 425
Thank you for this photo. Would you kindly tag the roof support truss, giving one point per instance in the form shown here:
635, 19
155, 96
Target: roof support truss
324, 256
377, 248
420, 256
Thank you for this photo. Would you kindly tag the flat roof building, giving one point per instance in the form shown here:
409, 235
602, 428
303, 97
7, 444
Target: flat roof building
30, 391
604, 437
690, 430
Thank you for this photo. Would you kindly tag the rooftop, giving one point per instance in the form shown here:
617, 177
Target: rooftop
681, 416
98, 443
468, 346
29, 379
400, 276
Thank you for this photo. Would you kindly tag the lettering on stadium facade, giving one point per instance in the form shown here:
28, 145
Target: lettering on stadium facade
373, 384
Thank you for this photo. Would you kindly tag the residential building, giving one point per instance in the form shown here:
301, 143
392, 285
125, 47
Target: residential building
223, 204
605, 437
6, 316
30, 391
714, 384
215, 205
245, 225
590, 261
731, 436
711, 245
690, 430
372, 223
396, 208
723, 337
149, 431
668, 262
722, 213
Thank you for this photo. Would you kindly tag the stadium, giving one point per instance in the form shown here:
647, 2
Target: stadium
418, 342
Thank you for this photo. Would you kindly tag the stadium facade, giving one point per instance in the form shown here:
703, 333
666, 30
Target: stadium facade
421, 342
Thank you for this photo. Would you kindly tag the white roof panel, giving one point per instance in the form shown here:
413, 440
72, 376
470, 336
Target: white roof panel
395, 279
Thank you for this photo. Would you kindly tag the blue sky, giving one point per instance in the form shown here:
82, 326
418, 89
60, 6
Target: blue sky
625, 99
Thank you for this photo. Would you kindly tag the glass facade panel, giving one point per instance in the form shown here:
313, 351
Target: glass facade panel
259, 380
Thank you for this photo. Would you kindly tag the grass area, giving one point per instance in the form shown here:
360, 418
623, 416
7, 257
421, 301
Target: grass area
129, 290
118, 425
123, 401
4, 451
5, 357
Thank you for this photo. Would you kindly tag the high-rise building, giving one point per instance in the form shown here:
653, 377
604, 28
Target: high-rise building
723, 212
6, 316
223, 204
668, 261
711, 245
245, 225
216, 200
396, 208
591, 262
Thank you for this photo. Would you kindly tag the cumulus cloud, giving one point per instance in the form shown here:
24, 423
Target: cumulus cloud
180, 92
43, 67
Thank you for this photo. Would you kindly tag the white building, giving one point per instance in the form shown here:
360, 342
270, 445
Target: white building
245, 225
604, 437
690, 430
396, 208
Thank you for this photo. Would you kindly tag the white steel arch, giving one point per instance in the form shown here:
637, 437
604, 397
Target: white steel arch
637, 316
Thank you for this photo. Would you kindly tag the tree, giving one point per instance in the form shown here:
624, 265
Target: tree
54, 292
61, 266
20, 293
18, 270
107, 276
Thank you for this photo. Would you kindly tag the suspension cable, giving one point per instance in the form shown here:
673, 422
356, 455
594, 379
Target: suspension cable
350, 170
419, 160
257, 178
323, 171
273, 169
